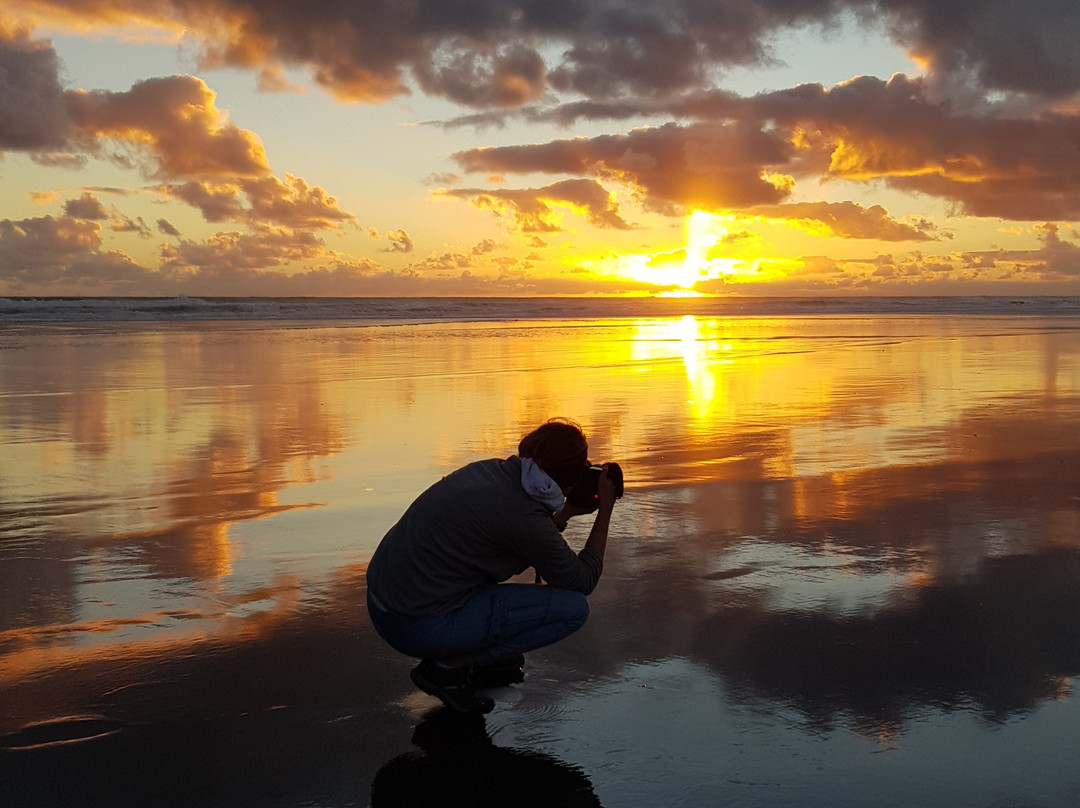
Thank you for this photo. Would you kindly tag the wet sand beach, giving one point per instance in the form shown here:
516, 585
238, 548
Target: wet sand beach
846, 571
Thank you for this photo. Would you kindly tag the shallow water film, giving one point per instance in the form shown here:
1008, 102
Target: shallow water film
846, 571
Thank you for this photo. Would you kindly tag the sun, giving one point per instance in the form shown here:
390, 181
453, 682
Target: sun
704, 232
678, 270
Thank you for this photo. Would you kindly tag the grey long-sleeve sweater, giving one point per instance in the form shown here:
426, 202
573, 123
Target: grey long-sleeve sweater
473, 528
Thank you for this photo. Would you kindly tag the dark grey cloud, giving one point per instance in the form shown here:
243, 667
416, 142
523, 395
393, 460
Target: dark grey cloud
1014, 45
86, 206
500, 53
32, 111
507, 77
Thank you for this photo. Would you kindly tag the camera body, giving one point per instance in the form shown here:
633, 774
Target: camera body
584, 492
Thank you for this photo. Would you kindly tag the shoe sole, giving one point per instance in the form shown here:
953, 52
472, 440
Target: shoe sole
446, 696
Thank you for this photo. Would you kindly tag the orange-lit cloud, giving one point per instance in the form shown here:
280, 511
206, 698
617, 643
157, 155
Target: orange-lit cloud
168, 127
706, 166
400, 242
293, 202
1056, 259
176, 120
742, 150
235, 252
533, 208
849, 220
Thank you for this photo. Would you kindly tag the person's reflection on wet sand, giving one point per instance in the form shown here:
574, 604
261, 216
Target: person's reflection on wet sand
459, 765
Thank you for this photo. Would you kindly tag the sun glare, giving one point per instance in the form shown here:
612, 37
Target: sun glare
704, 231
680, 270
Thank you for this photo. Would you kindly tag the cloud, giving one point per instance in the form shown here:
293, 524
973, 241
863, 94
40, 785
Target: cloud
444, 262
506, 77
479, 53
236, 253
499, 53
125, 224
489, 52
56, 159
291, 202
849, 220
706, 166
218, 202
86, 206
48, 251
1010, 45
400, 242
174, 120
170, 127
990, 164
1055, 260
64, 255
442, 178
533, 209
32, 111
746, 152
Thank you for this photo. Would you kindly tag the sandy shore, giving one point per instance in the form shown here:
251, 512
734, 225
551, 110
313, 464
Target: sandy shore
847, 570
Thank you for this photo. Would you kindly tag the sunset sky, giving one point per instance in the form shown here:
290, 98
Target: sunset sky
535, 147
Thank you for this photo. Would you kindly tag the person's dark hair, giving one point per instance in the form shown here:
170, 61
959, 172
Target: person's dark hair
558, 447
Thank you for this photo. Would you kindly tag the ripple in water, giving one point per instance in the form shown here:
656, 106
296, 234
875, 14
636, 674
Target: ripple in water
59, 731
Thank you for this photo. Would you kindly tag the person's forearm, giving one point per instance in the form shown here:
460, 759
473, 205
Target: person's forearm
598, 536
568, 510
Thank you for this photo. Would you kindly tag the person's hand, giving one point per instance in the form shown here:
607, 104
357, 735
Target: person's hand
605, 490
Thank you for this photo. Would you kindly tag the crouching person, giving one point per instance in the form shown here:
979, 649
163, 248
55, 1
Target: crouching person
435, 585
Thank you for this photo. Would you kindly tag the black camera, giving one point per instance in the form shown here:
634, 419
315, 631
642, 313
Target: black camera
584, 494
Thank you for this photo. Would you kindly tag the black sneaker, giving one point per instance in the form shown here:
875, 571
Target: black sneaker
452, 686
501, 673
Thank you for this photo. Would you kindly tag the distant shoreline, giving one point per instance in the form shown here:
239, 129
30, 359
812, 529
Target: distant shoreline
375, 310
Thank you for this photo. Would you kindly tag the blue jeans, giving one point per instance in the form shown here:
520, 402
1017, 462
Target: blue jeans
496, 623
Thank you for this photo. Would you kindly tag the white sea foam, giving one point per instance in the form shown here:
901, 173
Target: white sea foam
382, 310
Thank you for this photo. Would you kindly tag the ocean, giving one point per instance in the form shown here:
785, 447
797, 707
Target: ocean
394, 310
